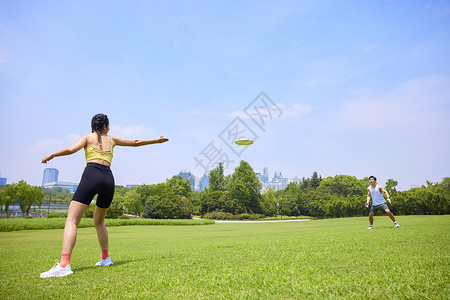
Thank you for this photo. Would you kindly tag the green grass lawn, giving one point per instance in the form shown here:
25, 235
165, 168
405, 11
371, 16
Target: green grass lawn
320, 259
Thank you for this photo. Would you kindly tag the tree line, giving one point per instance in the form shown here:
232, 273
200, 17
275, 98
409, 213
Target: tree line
241, 193
22, 193
331, 197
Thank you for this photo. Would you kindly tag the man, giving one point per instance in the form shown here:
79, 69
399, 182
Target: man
375, 191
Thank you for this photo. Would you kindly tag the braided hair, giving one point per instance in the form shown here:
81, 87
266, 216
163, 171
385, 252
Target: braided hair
97, 123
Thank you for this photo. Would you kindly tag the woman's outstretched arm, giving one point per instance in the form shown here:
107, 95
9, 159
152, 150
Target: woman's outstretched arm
136, 143
81, 143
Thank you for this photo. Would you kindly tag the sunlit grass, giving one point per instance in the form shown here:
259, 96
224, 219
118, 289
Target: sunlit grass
337, 258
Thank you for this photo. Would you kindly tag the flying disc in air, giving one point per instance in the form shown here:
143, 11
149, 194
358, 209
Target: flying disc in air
243, 142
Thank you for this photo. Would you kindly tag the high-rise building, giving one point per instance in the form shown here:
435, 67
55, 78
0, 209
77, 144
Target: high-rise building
2, 180
50, 175
278, 182
204, 182
266, 172
264, 177
186, 174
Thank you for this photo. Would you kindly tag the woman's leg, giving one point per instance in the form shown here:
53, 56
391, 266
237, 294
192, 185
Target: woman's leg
99, 222
76, 211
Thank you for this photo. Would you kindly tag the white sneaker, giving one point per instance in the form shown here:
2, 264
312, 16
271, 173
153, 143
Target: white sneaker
57, 271
105, 262
370, 227
396, 225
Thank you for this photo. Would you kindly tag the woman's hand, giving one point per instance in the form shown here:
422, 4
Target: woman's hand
161, 139
47, 158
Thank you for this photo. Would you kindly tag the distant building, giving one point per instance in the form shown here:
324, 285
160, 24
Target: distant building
266, 172
50, 175
278, 182
2, 180
204, 183
186, 174
296, 179
264, 177
129, 186
71, 186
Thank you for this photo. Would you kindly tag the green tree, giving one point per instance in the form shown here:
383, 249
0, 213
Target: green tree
294, 203
144, 192
27, 195
186, 211
217, 179
2, 199
210, 201
179, 186
344, 185
133, 203
390, 186
37, 196
315, 180
58, 195
115, 209
245, 188
269, 203
163, 206
8, 197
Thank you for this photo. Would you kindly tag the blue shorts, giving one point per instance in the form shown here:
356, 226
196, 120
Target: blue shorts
374, 209
98, 180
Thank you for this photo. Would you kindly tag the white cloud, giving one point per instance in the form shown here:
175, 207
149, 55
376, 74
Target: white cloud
130, 131
52, 145
408, 104
297, 109
370, 48
45, 146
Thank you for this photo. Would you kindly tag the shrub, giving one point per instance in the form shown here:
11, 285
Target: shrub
29, 217
255, 216
245, 216
89, 213
53, 215
168, 206
115, 210
15, 224
186, 212
219, 215
124, 217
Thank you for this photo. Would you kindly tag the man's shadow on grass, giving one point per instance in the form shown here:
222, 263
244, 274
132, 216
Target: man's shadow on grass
116, 263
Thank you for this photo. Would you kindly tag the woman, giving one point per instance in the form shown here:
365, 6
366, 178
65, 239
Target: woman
97, 179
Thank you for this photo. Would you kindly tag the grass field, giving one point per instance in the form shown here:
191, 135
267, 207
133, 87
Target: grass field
320, 259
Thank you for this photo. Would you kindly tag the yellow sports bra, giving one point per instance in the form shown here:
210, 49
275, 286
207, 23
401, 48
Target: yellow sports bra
93, 153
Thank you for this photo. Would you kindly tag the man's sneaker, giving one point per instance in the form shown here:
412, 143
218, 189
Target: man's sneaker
57, 271
105, 262
396, 225
370, 227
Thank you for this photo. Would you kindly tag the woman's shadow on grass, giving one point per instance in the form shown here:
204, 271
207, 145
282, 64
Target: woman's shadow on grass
115, 264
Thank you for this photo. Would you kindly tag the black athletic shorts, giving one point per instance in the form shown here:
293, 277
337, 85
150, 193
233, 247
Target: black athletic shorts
374, 209
96, 179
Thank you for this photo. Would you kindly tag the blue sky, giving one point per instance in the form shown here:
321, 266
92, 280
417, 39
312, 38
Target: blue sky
359, 87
